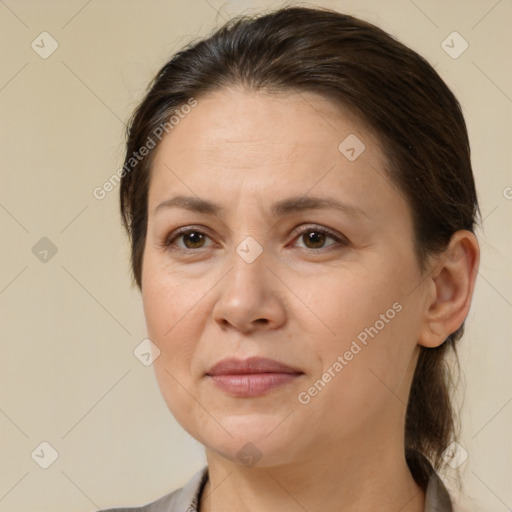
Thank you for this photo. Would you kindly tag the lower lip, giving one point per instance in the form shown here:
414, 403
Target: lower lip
252, 384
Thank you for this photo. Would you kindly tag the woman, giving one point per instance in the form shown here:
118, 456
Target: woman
300, 201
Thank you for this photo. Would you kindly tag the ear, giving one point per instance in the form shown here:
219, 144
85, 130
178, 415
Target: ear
452, 282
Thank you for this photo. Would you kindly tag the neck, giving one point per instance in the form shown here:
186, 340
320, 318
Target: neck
368, 476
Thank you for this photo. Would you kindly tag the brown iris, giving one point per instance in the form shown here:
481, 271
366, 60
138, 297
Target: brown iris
195, 238
314, 237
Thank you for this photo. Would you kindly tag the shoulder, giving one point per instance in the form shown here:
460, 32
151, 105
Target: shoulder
184, 499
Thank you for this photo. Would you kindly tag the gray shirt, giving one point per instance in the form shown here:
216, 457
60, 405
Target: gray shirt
186, 499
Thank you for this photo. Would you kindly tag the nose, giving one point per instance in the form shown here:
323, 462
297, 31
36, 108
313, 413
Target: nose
250, 297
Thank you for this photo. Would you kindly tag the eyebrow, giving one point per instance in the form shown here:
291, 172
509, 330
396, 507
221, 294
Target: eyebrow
278, 209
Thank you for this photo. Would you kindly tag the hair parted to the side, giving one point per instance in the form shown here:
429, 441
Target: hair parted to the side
394, 91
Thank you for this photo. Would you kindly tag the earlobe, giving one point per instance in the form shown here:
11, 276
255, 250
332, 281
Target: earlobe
453, 282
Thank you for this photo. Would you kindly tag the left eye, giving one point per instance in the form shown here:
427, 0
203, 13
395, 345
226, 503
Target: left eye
315, 237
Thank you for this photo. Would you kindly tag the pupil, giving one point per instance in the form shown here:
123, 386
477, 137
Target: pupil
315, 238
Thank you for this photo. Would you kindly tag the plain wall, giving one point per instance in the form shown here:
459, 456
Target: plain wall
69, 325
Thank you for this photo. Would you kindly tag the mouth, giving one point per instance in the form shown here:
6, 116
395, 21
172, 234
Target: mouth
251, 377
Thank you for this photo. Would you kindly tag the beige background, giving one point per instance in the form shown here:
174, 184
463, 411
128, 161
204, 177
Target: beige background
69, 325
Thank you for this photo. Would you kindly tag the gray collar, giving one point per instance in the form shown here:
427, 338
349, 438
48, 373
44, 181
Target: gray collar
437, 498
188, 499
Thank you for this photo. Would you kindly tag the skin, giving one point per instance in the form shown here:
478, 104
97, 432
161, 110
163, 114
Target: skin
300, 302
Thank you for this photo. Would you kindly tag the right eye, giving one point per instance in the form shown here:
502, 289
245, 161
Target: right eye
192, 238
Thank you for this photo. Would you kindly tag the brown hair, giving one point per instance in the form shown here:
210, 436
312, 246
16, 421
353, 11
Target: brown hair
394, 91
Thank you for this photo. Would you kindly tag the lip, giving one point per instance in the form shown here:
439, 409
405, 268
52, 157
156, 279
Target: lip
233, 366
251, 377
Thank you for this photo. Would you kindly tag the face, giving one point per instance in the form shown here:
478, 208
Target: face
334, 292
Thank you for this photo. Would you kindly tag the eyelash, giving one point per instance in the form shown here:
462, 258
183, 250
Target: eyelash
168, 243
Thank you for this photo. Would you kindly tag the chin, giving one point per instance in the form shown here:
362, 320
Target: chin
251, 440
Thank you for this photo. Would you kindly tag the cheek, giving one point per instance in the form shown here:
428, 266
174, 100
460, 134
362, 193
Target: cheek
373, 336
360, 383
169, 310
166, 296
349, 305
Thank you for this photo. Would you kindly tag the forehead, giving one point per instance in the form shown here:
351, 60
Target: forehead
292, 123
287, 142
